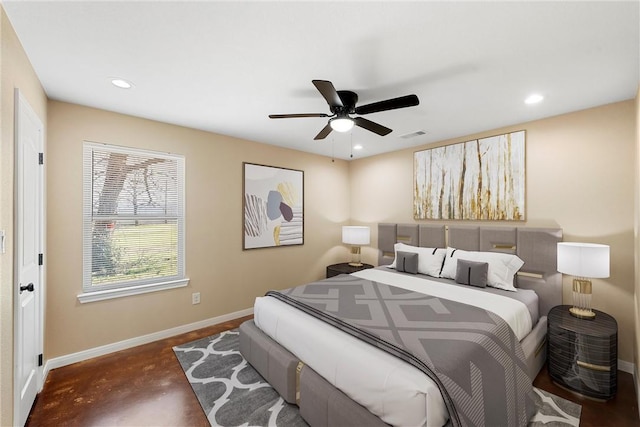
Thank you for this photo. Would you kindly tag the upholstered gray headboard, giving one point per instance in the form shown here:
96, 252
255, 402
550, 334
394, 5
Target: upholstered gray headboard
537, 247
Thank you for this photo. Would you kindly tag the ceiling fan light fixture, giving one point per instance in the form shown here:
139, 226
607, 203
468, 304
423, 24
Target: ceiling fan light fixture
341, 124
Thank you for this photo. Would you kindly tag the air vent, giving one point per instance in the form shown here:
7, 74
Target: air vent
413, 134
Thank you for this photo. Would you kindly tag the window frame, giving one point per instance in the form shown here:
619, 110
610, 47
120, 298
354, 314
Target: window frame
91, 292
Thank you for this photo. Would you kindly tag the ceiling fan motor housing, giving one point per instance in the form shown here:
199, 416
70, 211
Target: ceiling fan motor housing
349, 100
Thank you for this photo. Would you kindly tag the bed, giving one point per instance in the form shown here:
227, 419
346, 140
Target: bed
339, 379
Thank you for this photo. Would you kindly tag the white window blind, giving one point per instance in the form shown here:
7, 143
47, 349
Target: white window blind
133, 218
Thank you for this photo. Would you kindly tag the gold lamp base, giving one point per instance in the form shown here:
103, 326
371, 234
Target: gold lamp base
582, 300
355, 257
582, 313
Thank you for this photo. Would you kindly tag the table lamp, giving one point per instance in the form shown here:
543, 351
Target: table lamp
583, 261
355, 236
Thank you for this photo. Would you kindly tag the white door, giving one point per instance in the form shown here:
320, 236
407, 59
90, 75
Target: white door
29, 240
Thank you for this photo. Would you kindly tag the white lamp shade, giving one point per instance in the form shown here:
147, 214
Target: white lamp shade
583, 259
355, 235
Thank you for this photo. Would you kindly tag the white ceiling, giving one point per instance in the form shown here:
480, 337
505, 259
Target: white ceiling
223, 66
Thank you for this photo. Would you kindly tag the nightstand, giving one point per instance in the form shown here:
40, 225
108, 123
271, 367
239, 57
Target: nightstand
583, 354
344, 268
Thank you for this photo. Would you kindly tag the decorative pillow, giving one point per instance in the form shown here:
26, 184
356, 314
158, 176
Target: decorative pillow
472, 273
502, 267
407, 262
429, 259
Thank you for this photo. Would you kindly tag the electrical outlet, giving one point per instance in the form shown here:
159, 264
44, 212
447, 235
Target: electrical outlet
195, 298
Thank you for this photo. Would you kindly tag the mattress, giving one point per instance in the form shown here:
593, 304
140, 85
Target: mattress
393, 390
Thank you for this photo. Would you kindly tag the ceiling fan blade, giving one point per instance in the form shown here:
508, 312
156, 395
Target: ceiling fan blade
372, 126
389, 104
294, 116
324, 132
329, 92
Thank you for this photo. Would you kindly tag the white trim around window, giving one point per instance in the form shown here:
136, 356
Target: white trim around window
133, 222
131, 290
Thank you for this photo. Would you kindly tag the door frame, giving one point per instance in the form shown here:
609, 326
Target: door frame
22, 109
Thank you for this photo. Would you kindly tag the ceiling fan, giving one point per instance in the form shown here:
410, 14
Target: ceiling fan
342, 103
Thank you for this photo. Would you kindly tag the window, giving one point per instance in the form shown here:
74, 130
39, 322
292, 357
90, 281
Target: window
133, 218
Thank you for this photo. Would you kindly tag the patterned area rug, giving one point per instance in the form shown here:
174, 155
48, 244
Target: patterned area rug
232, 393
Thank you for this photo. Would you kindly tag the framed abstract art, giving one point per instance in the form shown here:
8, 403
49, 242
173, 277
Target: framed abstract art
273, 205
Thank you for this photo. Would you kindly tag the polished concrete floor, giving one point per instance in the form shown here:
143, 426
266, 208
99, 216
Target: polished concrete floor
145, 386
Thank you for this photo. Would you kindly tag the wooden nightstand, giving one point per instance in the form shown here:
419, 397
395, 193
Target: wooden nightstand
583, 354
344, 268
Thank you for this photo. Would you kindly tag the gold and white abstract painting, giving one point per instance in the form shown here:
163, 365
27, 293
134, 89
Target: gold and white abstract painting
483, 179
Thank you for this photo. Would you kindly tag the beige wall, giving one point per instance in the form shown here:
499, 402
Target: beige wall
228, 278
636, 355
579, 172
15, 72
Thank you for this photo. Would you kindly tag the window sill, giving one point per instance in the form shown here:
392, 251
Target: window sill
133, 290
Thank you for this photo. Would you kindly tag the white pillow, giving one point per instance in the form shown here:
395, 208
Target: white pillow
502, 267
429, 259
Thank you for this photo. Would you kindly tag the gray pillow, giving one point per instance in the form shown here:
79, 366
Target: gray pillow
407, 262
472, 273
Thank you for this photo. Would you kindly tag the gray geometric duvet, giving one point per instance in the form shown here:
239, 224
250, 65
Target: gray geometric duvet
470, 353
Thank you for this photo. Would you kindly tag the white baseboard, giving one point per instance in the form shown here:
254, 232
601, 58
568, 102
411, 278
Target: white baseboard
627, 367
58, 362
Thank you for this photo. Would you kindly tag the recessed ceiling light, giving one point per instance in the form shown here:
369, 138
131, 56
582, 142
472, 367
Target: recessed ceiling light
121, 83
357, 147
533, 98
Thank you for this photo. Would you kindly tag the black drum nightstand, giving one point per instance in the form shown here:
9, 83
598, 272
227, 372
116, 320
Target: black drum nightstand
345, 268
583, 354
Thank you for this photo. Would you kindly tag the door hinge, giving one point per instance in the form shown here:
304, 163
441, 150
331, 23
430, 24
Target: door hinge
40, 259
40, 359
41, 158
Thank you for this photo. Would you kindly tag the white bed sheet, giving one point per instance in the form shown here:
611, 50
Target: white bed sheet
388, 387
